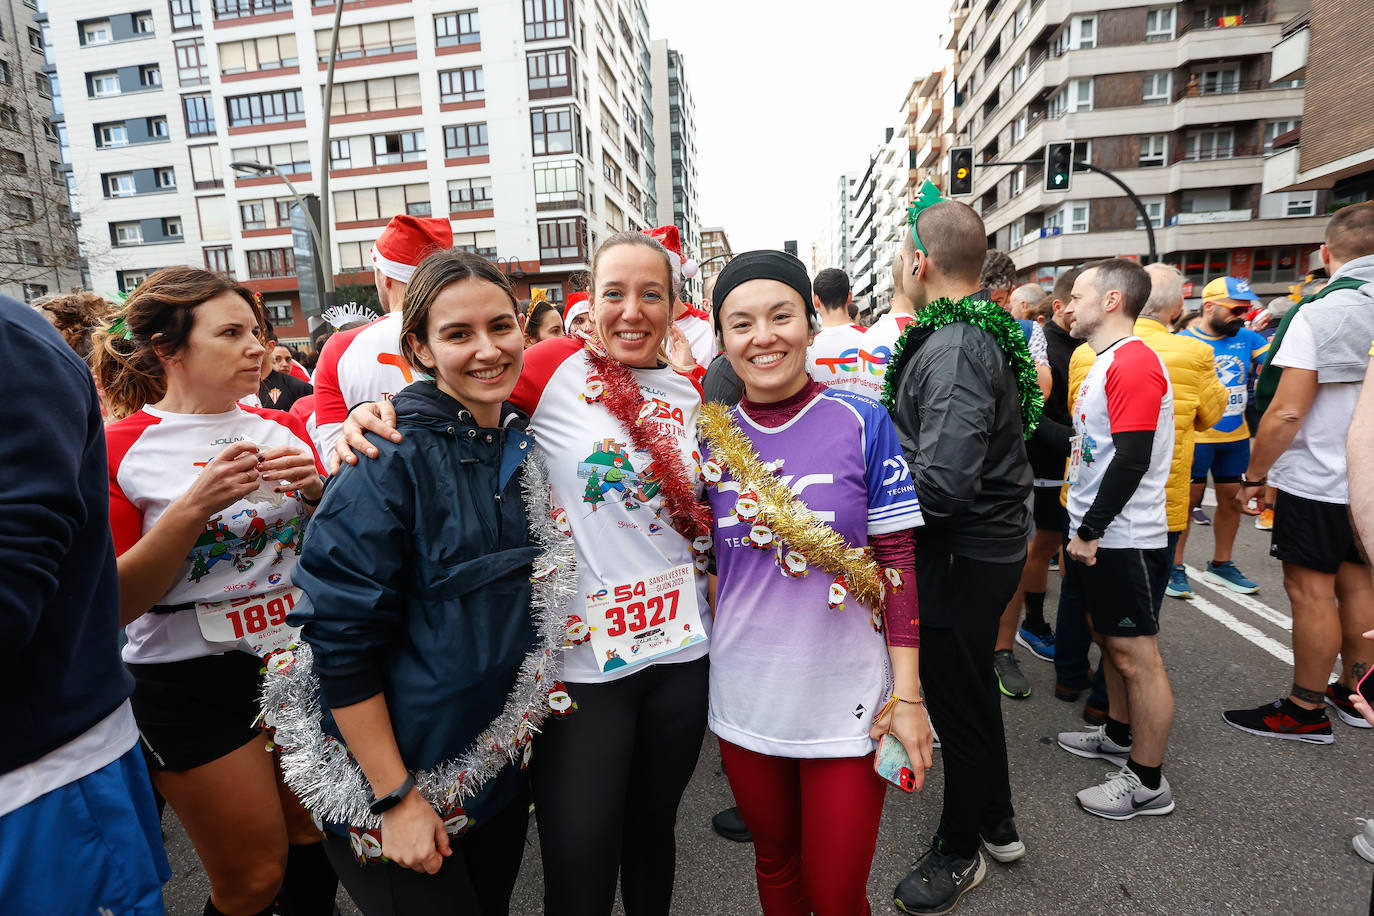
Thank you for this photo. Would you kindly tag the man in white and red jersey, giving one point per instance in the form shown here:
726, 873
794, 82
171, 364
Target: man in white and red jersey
365, 364
693, 322
1118, 556
890, 325
838, 356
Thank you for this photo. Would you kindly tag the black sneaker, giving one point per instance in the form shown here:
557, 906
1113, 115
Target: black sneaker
730, 825
939, 879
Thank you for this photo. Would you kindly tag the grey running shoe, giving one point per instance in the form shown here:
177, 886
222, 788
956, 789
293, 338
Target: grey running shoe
1004, 844
1123, 796
1094, 743
1010, 680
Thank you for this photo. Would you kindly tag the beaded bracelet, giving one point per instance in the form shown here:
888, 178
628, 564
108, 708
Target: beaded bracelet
916, 702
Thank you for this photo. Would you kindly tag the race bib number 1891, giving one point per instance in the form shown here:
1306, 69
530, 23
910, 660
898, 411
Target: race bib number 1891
635, 622
253, 623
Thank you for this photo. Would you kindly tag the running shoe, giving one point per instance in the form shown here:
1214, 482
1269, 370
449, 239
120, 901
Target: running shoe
1265, 520
1178, 586
1094, 743
1338, 698
1054, 562
1200, 517
1273, 721
939, 879
1003, 842
1041, 645
730, 825
1364, 840
1010, 680
1123, 796
1226, 574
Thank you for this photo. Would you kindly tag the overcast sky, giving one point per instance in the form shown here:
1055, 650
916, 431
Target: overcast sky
790, 95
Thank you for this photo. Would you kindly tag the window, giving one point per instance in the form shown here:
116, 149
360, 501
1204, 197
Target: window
200, 115
157, 127
463, 140
1153, 149
166, 178
341, 154
1208, 200
385, 93
555, 130
1087, 32
279, 313
1212, 82
610, 170
609, 127
171, 227
1158, 88
1155, 207
185, 14
558, 185
99, 85
1071, 217
219, 260
115, 134
1077, 95
95, 33
19, 207
36, 40
1159, 24
1273, 129
282, 207
461, 28
5, 72
370, 39
406, 146
463, 85
467, 194
1015, 234
366, 204
49, 130
562, 240
119, 184
150, 77
191, 68
270, 53
130, 280
631, 156
253, 214
1288, 204
550, 73
1018, 181
205, 167
1274, 265
1019, 127
265, 107
34, 291
238, 9
1210, 144
271, 262
546, 19
9, 117
143, 23
291, 158
354, 257
1078, 33
1021, 19
483, 243
126, 233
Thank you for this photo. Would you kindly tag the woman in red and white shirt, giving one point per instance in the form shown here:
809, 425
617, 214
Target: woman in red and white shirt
208, 505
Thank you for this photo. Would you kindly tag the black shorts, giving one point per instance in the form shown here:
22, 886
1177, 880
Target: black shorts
1049, 514
1119, 590
195, 711
1312, 534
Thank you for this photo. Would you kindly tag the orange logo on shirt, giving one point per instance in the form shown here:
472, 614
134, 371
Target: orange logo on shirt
391, 359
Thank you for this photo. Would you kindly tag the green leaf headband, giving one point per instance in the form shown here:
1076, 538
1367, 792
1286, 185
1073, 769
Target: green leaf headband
928, 197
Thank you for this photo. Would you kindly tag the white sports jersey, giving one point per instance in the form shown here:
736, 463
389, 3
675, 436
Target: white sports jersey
701, 334
357, 367
882, 337
839, 358
603, 483
248, 548
1126, 390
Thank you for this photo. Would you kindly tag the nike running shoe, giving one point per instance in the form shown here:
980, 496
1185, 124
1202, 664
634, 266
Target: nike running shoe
1338, 698
939, 879
1226, 574
1123, 796
1041, 645
1004, 843
1200, 517
1094, 743
1273, 720
1178, 586
1265, 520
1010, 680
1364, 840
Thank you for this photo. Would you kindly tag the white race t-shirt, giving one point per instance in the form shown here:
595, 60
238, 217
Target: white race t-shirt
599, 483
839, 358
249, 548
1314, 467
701, 334
357, 367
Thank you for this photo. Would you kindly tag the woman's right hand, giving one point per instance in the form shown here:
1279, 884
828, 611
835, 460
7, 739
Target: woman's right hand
413, 835
378, 417
230, 476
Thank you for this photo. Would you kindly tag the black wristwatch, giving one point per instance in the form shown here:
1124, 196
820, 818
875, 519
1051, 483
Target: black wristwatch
1088, 533
1246, 482
393, 798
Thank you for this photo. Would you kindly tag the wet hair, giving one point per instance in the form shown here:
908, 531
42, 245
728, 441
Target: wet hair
1127, 277
1350, 234
436, 273
157, 321
635, 238
998, 271
831, 286
536, 317
76, 317
955, 239
1063, 287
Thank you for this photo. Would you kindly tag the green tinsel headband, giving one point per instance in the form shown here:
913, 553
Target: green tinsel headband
929, 196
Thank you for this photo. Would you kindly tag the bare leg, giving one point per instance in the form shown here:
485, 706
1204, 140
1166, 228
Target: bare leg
1355, 605
1148, 695
1118, 700
1225, 521
1316, 630
1195, 492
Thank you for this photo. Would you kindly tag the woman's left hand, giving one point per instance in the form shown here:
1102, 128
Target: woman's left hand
908, 723
289, 469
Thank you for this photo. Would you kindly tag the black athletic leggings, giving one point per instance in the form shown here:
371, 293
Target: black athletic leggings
477, 880
607, 781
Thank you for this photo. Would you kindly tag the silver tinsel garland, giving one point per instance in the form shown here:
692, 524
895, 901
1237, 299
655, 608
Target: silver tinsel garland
322, 772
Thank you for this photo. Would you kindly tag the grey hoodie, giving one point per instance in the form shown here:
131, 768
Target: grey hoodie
1343, 324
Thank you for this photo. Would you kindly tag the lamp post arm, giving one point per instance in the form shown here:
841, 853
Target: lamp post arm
300, 202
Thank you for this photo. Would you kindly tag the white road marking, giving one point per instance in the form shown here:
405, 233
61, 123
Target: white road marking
1249, 602
1244, 629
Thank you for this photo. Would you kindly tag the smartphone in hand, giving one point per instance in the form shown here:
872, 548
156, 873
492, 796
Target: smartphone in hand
1365, 687
893, 765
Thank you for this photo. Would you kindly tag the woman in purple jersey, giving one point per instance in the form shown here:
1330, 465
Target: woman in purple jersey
802, 679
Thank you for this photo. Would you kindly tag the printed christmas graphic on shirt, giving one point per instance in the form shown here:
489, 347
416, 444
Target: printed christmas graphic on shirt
611, 475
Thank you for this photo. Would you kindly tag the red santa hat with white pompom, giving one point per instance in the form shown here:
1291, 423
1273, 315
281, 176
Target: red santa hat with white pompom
406, 241
671, 239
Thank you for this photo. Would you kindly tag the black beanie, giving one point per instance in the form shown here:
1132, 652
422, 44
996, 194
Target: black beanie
762, 264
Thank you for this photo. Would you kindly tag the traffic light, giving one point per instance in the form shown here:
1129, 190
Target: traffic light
960, 171
1058, 165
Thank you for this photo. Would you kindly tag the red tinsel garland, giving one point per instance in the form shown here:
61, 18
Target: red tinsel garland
622, 397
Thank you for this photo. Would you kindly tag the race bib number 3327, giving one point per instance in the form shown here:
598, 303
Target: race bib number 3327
635, 622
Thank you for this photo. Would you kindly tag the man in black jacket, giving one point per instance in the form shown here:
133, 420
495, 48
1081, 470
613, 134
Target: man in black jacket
958, 414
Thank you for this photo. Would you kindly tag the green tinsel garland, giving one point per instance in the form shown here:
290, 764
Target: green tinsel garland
991, 318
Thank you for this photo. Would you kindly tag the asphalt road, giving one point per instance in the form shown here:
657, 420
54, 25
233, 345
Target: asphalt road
1261, 826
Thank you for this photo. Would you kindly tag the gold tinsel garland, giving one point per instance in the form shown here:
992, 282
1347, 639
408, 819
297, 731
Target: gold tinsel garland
789, 519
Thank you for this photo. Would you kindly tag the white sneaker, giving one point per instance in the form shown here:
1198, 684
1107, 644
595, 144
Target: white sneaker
1364, 840
1123, 796
1094, 743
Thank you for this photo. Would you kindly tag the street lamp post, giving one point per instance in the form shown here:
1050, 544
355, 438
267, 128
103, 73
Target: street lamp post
260, 168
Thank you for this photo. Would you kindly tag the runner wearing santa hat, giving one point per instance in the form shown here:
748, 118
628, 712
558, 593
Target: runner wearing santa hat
366, 364
578, 313
692, 321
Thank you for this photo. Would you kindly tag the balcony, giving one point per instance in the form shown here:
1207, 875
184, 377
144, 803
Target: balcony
1290, 54
1208, 217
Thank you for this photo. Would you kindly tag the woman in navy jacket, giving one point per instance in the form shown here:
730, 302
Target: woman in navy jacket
428, 658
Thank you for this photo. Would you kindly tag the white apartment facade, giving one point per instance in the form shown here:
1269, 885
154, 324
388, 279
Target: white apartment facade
527, 122
675, 152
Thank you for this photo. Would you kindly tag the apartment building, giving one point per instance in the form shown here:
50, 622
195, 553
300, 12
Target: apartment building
1177, 99
38, 249
831, 247
675, 143
528, 123
715, 251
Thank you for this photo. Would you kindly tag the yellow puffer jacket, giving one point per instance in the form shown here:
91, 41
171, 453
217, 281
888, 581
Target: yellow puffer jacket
1199, 402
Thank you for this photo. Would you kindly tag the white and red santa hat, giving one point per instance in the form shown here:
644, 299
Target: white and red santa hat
406, 241
671, 239
577, 305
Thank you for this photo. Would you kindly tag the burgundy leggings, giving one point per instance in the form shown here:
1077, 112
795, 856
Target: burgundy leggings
815, 827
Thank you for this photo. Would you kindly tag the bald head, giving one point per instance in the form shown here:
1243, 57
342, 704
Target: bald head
1166, 293
955, 239
1025, 299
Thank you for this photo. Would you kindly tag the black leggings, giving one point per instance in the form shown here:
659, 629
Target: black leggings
477, 880
607, 781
